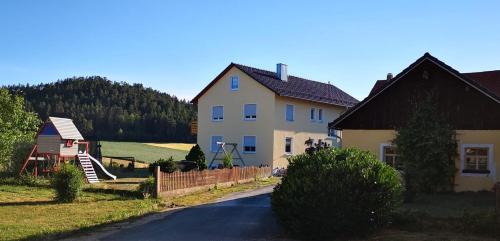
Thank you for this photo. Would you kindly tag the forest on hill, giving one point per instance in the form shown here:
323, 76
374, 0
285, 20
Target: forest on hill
107, 110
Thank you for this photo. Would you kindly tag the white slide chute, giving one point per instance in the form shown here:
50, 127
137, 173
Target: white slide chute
101, 167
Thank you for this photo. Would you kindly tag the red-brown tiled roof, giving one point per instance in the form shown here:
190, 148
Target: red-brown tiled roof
488, 79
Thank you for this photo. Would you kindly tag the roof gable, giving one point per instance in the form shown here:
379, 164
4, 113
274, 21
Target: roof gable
295, 87
382, 85
66, 128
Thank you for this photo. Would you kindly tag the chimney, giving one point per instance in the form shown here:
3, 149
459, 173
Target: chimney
282, 72
389, 76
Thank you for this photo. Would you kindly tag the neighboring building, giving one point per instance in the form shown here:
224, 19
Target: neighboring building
268, 114
470, 102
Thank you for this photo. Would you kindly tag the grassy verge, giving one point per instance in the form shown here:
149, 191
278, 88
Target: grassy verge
29, 213
141, 151
216, 193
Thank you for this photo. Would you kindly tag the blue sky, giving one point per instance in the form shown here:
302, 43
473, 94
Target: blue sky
179, 46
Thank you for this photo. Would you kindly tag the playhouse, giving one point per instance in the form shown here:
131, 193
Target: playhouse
58, 140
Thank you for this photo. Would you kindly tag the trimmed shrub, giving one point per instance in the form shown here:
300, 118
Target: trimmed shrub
197, 156
336, 193
166, 165
227, 162
68, 183
146, 187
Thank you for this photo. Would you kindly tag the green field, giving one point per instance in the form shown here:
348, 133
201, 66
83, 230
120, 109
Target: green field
141, 151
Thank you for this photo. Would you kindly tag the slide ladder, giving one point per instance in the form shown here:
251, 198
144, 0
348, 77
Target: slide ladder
88, 168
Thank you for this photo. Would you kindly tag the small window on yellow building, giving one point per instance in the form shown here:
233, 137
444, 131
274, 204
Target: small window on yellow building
476, 158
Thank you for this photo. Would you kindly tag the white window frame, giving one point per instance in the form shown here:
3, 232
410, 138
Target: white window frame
231, 82
291, 146
312, 114
293, 112
382, 146
491, 160
320, 110
212, 114
211, 142
244, 115
243, 144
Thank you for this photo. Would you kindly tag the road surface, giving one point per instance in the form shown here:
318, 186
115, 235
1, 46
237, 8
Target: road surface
243, 216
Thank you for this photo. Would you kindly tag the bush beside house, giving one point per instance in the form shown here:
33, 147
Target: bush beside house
333, 193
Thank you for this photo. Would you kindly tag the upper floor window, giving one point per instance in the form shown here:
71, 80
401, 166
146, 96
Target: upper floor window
320, 115
477, 158
214, 145
312, 114
218, 113
289, 112
249, 144
250, 111
235, 82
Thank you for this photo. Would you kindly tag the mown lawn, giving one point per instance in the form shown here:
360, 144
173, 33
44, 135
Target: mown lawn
29, 213
143, 151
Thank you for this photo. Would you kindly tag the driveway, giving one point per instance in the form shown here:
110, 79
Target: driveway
242, 216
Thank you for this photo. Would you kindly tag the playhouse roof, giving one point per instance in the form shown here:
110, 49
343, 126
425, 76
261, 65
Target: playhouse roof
66, 128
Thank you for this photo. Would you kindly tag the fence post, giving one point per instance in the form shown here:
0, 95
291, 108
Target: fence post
157, 182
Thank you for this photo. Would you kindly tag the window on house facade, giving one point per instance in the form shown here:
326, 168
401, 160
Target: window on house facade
320, 115
218, 113
250, 111
214, 146
249, 144
312, 114
288, 145
477, 158
235, 82
390, 156
289, 112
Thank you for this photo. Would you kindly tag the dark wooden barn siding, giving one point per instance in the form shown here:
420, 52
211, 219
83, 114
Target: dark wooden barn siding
465, 107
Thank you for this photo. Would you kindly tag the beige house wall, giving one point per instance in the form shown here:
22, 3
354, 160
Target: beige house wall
270, 127
371, 140
302, 128
234, 127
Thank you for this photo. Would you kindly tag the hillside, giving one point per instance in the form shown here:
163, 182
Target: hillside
107, 110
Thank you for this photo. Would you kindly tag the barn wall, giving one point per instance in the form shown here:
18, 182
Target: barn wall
464, 107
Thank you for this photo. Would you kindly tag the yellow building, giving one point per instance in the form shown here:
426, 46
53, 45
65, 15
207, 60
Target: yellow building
469, 101
269, 115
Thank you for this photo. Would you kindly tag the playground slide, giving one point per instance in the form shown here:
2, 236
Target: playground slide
101, 167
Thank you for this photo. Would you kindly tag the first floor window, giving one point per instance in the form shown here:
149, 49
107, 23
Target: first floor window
249, 143
320, 115
69, 143
312, 114
390, 156
476, 158
250, 111
214, 141
288, 145
218, 113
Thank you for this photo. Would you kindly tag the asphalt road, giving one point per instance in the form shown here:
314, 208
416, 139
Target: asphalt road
244, 216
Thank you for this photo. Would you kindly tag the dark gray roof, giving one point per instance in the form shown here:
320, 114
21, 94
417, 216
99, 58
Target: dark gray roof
295, 87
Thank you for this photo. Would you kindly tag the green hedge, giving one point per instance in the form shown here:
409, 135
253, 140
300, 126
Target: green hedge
68, 183
336, 193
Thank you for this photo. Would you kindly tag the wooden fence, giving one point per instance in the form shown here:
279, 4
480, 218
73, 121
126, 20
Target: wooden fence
179, 183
